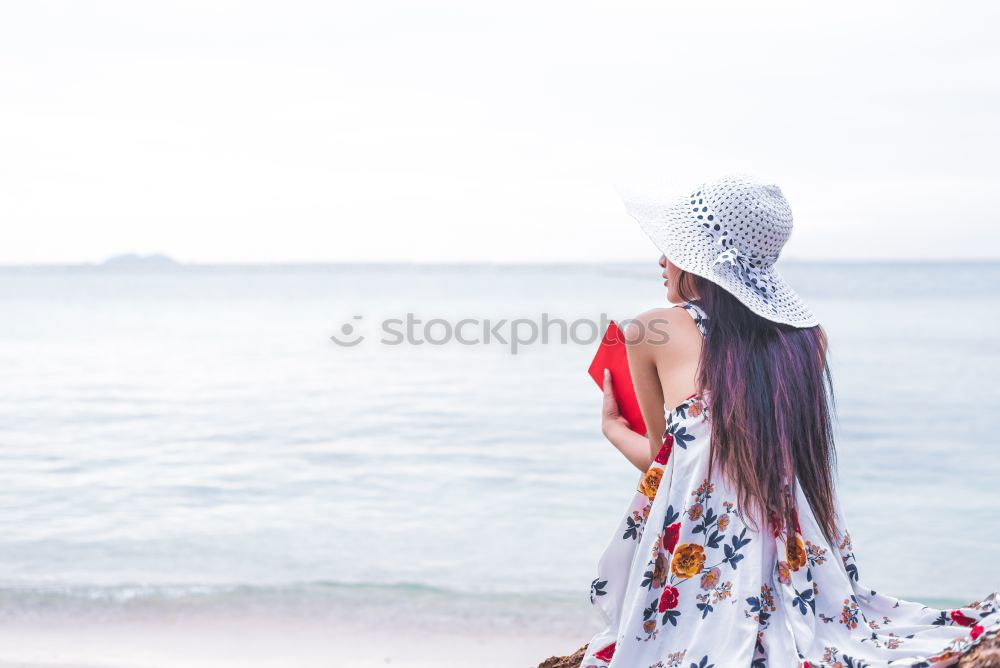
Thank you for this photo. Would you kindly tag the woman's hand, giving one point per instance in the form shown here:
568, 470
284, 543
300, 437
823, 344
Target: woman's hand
611, 417
634, 446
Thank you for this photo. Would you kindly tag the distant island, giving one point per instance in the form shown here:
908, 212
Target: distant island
135, 261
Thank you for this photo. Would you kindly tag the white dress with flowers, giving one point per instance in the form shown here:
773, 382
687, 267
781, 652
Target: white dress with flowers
686, 583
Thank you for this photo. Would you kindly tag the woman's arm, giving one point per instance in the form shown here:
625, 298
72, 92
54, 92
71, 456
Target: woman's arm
634, 446
643, 357
655, 348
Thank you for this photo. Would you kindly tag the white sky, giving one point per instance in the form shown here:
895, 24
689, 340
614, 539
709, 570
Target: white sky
451, 131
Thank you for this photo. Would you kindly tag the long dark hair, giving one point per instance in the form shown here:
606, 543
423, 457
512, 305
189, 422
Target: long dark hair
770, 399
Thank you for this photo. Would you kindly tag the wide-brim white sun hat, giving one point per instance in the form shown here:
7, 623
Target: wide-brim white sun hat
731, 232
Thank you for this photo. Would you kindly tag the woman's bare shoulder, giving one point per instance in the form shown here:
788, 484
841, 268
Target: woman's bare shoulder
654, 331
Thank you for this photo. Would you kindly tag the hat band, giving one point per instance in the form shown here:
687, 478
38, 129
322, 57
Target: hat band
753, 277
752, 269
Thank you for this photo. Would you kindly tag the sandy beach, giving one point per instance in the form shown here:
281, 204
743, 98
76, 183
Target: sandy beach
260, 643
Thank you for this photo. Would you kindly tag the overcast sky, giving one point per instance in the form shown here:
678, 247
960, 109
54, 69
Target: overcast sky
455, 131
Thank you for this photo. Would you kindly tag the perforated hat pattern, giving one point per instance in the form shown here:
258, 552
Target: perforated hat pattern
731, 232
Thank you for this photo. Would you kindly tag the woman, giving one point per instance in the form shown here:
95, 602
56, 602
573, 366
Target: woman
733, 552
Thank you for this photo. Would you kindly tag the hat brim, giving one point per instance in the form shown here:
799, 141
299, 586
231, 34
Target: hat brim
669, 227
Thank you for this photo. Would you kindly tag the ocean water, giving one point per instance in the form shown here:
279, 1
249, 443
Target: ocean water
192, 440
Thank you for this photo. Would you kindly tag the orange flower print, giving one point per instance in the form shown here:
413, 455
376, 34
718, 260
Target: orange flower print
688, 560
815, 554
694, 512
710, 579
796, 553
674, 660
704, 490
849, 615
650, 482
723, 592
784, 573
695, 409
723, 522
659, 572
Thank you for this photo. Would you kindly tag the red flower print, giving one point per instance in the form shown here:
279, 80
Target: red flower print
976, 632
606, 653
669, 598
775, 523
960, 619
664, 454
670, 537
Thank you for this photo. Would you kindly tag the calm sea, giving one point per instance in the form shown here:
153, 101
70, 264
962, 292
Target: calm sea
193, 439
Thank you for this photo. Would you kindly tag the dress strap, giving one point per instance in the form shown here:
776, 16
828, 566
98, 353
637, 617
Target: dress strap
698, 315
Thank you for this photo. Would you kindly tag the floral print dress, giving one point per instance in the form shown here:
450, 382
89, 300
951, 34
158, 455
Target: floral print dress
686, 583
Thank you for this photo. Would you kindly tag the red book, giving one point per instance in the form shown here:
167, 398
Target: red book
612, 355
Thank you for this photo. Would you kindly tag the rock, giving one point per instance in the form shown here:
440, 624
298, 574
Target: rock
571, 661
984, 655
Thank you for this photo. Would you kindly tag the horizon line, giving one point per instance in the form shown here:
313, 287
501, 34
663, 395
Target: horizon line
176, 264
